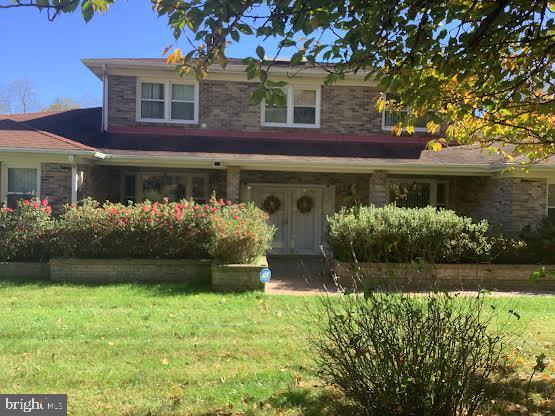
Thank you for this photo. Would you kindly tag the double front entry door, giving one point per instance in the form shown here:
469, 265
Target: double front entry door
296, 211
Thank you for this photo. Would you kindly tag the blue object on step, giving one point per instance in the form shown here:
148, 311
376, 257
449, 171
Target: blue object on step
265, 275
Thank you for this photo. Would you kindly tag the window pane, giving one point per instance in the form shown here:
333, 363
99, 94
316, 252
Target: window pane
441, 194
152, 91
22, 180
183, 92
551, 195
415, 195
275, 114
183, 111
199, 189
129, 187
305, 98
304, 115
156, 188
152, 109
392, 118
551, 213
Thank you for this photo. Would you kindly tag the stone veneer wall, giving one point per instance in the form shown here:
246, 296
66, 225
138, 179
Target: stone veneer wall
55, 184
506, 202
226, 105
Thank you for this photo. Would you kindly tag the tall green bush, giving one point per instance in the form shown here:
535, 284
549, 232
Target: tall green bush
393, 234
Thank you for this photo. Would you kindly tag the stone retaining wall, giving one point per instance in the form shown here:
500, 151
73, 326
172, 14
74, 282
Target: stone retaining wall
451, 276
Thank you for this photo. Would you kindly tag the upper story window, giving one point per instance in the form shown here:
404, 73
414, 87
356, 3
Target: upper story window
302, 109
391, 118
167, 101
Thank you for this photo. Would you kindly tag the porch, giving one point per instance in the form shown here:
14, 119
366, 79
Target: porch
299, 201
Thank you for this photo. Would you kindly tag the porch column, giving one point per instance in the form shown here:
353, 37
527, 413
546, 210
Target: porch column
74, 183
233, 183
377, 191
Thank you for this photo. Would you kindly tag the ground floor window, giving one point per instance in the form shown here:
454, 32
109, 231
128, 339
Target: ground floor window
551, 200
22, 184
418, 193
156, 187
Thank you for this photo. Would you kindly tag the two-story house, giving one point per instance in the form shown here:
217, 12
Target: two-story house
158, 135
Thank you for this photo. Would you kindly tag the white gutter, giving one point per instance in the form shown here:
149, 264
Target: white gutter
266, 164
94, 153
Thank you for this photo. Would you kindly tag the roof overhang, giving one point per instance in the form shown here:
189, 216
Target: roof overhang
100, 65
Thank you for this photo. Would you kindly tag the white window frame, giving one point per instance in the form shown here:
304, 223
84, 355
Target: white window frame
547, 206
167, 100
290, 105
4, 166
388, 128
433, 188
188, 180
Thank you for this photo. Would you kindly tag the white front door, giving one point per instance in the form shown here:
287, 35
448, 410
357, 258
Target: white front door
298, 219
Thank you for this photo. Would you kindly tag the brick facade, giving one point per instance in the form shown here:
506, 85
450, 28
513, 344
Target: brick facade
377, 193
233, 183
227, 105
56, 184
507, 203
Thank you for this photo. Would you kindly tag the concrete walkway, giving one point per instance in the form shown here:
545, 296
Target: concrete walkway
310, 275
299, 275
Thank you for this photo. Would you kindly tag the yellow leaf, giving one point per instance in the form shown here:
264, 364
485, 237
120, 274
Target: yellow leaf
165, 360
380, 105
432, 127
175, 57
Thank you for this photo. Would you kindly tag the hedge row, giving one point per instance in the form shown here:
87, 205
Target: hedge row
392, 234
230, 233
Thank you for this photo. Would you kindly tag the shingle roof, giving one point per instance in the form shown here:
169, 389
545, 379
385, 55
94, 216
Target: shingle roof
82, 126
18, 135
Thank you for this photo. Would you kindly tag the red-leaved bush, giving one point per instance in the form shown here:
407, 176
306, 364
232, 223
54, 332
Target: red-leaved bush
25, 233
185, 230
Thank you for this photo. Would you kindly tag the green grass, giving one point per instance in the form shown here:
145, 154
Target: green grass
172, 350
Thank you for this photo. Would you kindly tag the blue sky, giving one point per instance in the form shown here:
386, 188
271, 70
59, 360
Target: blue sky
48, 53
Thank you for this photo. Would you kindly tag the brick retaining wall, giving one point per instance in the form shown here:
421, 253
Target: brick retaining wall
24, 271
451, 276
117, 270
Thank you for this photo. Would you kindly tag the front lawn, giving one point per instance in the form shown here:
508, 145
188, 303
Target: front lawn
173, 350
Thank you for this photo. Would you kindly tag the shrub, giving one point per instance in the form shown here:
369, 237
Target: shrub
184, 229
392, 234
241, 233
403, 354
25, 233
539, 247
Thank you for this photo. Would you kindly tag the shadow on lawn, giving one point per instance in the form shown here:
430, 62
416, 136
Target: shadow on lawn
153, 288
516, 396
307, 402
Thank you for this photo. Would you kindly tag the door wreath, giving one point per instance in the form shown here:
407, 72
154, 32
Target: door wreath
271, 204
305, 204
